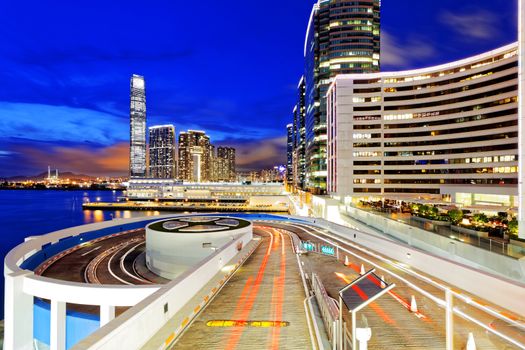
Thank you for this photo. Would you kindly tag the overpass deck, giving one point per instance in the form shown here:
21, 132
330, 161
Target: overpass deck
393, 325
267, 287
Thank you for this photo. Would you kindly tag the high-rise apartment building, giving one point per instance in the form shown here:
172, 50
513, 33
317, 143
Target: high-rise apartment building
342, 38
194, 156
137, 127
225, 164
162, 152
299, 141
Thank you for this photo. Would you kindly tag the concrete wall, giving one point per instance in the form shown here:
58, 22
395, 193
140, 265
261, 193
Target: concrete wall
78, 325
479, 258
169, 254
21, 284
500, 291
136, 326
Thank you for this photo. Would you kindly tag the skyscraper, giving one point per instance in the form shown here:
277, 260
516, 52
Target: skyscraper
226, 164
137, 127
289, 153
194, 156
342, 38
299, 141
162, 156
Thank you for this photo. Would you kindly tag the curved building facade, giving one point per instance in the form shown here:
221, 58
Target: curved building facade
174, 245
445, 132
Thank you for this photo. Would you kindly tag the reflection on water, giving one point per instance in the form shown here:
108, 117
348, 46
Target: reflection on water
91, 216
34, 212
87, 216
98, 216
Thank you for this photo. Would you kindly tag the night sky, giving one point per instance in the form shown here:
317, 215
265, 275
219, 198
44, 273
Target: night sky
227, 67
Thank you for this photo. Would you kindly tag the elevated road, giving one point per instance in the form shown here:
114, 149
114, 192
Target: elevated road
262, 305
113, 259
267, 288
393, 324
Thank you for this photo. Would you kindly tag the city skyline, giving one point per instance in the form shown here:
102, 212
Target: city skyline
77, 85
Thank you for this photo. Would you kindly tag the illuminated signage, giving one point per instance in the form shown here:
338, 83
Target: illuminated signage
328, 250
308, 246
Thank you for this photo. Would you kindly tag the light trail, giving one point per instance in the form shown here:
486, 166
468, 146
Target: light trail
378, 310
123, 268
278, 298
113, 253
394, 295
437, 300
91, 251
254, 290
465, 298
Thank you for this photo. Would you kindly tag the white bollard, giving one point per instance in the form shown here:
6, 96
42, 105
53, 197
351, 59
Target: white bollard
347, 261
362, 272
471, 344
413, 304
363, 335
383, 285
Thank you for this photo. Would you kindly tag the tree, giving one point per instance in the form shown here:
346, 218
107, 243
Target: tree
455, 215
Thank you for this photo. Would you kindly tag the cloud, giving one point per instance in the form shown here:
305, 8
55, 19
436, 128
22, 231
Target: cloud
35, 157
60, 123
396, 53
28, 157
258, 154
479, 24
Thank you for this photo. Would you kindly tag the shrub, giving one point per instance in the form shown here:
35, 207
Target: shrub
480, 218
455, 215
513, 226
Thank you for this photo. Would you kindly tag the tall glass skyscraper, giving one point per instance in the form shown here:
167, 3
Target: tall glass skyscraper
299, 141
137, 127
162, 160
342, 38
289, 153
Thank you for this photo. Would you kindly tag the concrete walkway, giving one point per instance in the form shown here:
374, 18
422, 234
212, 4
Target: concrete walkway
267, 288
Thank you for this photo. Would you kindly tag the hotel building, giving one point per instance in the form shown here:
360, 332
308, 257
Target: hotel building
448, 132
342, 38
137, 127
162, 156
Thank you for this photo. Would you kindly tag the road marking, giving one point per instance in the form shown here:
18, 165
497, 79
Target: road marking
123, 268
91, 251
118, 249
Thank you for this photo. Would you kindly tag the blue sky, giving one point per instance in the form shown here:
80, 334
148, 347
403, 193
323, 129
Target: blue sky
229, 68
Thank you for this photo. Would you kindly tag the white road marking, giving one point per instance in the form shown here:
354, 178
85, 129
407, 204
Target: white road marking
91, 251
123, 268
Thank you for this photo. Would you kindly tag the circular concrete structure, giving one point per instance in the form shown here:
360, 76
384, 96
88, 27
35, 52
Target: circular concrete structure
174, 245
